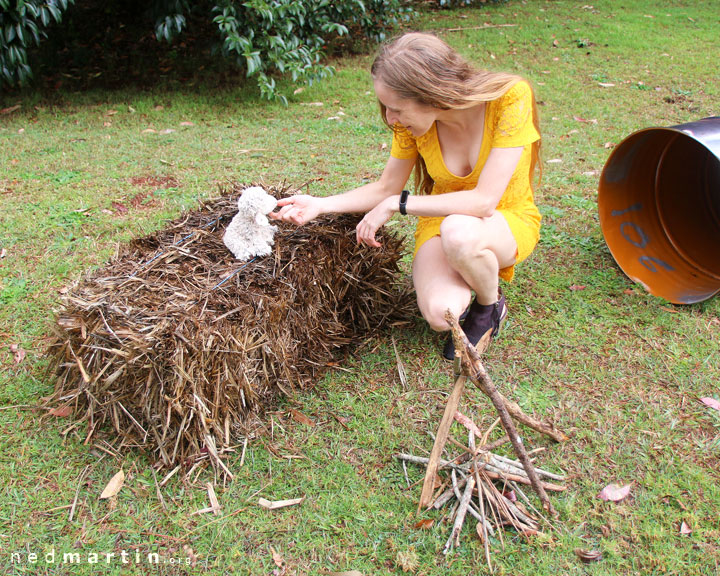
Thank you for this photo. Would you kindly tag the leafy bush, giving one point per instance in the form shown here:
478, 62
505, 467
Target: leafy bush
264, 38
22, 24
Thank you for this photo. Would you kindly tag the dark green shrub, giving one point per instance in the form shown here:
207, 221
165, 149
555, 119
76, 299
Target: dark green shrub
263, 38
22, 24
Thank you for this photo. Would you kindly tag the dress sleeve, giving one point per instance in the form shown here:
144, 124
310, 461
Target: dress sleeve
404, 145
514, 118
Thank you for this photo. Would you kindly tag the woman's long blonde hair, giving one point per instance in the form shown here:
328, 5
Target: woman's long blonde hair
423, 68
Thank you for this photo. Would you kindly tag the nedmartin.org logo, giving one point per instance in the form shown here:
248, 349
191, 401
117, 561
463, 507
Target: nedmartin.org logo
53, 557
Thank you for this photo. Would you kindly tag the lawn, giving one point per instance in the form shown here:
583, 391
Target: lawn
619, 370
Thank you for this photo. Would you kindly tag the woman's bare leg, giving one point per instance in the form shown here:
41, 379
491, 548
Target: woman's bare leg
466, 257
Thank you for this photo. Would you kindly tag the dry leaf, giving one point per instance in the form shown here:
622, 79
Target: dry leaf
711, 402
347, 573
424, 524
614, 492
186, 124
301, 418
606, 84
114, 486
119, 208
277, 557
268, 505
10, 110
685, 529
149, 131
588, 556
584, 120
577, 287
18, 352
61, 411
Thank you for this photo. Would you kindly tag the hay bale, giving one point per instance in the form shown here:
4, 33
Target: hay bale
175, 342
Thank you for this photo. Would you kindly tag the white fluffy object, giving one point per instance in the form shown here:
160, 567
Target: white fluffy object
250, 233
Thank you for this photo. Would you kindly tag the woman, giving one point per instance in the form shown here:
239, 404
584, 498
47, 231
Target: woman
473, 138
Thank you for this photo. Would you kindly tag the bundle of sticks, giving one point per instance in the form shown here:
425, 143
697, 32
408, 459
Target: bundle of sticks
485, 485
482, 483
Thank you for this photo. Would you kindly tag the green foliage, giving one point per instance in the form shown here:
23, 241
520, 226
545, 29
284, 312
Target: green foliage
22, 24
263, 38
289, 36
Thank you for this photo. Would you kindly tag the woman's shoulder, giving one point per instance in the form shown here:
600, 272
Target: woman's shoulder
519, 91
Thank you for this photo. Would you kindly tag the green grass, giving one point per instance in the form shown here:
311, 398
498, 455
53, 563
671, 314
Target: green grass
618, 369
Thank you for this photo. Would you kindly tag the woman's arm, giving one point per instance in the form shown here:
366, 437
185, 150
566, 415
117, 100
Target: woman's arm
482, 200
302, 208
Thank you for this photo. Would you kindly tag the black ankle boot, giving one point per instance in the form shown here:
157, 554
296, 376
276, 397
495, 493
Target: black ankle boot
480, 320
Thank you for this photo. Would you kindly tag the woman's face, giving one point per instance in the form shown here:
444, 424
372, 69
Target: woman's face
416, 117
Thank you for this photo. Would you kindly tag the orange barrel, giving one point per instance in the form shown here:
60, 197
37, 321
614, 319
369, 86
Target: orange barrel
659, 204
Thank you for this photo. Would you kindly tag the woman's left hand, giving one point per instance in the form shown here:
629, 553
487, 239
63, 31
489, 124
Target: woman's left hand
373, 220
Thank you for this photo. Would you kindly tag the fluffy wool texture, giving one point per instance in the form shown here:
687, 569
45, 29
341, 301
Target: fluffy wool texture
250, 233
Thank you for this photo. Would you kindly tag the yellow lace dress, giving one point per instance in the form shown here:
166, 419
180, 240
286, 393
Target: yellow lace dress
508, 124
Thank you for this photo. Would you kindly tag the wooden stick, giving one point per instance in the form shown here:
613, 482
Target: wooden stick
517, 413
485, 527
440, 439
454, 539
474, 369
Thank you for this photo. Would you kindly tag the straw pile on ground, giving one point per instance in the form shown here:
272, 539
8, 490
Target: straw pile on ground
175, 343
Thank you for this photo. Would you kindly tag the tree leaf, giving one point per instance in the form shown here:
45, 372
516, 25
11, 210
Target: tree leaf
615, 492
424, 524
18, 352
61, 411
277, 557
711, 402
114, 486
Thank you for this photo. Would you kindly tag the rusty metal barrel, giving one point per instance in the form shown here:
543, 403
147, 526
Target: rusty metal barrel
659, 205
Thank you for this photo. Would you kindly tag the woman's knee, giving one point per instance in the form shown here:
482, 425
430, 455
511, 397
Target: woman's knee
460, 236
434, 310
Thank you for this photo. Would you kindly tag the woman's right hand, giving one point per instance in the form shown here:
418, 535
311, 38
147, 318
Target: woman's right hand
299, 209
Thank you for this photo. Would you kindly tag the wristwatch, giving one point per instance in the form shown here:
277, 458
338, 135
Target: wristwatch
403, 202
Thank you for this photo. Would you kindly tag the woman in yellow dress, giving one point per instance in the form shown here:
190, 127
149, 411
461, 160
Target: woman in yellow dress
473, 138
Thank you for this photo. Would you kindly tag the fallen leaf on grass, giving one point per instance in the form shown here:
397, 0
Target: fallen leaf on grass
711, 402
114, 486
268, 505
347, 573
585, 120
119, 208
61, 411
424, 524
10, 110
301, 418
18, 352
186, 124
588, 556
614, 492
685, 530
277, 557
576, 287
